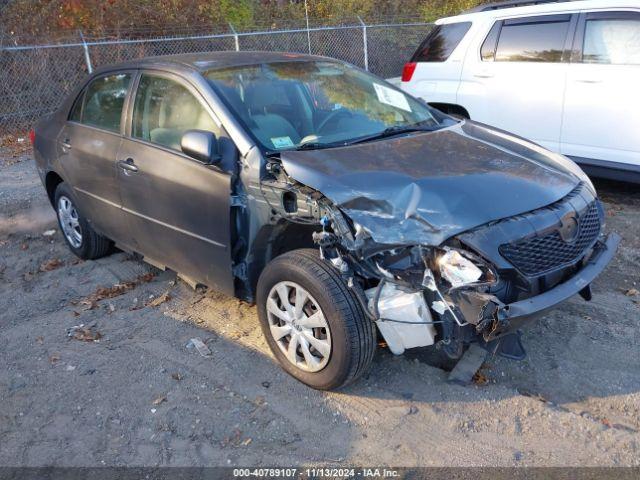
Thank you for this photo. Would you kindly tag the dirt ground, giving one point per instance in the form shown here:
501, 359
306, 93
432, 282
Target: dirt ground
140, 396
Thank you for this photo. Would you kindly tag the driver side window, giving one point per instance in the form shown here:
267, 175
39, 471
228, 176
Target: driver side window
164, 110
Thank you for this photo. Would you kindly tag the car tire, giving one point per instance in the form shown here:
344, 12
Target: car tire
80, 237
350, 334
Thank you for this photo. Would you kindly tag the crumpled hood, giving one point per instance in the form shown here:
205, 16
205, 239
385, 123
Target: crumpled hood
427, 187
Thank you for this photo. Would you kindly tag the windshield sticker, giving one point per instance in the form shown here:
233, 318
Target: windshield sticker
392, 97
282, 142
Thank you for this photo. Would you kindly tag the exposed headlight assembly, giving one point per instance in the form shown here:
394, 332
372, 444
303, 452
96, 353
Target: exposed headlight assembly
460, 270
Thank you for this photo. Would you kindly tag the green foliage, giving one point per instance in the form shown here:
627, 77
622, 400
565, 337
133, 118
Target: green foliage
433, 9
46, 17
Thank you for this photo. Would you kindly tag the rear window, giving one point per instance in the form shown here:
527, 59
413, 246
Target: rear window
534, 39
441, 42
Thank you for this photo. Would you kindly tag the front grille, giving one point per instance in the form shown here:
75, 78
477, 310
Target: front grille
539, 255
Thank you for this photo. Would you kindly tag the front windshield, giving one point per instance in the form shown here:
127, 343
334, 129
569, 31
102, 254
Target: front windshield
317, 104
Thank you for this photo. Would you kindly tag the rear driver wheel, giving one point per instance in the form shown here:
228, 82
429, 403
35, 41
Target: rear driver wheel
81, 238
313, 322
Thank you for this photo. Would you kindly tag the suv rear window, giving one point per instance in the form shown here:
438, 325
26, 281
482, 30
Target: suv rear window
533, 39
441, 42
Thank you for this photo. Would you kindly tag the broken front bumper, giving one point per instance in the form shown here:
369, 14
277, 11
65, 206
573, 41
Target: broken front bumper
513, 315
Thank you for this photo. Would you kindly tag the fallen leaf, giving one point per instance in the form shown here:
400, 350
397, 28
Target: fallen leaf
232, 440
24, 246
632, 292
84, 334
15, 146
176, 376
40, 340
54, 358
246, 442
165, 297
116, 290
480, 379
51, 265
159, 400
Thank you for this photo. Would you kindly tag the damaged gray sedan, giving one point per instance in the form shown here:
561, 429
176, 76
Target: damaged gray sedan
348, 211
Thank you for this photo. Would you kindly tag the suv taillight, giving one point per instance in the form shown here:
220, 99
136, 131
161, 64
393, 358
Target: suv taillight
407, 71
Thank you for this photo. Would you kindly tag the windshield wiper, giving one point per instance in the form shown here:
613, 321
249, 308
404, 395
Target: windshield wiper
317, 145
395, 130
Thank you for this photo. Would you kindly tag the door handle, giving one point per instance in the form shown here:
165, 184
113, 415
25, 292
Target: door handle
483, 75
127, 165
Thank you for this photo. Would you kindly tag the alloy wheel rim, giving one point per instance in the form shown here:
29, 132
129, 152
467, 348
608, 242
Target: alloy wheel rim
298, 326
69, 221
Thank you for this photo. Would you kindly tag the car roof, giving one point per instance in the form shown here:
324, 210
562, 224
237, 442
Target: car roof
548, 7
201, 62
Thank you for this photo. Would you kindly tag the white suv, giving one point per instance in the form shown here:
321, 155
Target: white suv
563, 74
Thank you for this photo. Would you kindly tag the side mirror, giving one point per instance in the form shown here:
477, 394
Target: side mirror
200, 145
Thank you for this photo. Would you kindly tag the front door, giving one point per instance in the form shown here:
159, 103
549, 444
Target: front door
517, 81
602, 103
89, 144
178, 209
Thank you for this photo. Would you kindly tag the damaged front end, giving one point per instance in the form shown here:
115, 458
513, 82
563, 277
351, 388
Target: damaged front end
464, 290
417, 295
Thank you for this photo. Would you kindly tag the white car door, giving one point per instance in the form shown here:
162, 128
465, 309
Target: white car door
602, 102
516, 81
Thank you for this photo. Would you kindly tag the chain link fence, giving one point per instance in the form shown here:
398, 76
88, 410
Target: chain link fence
34, 79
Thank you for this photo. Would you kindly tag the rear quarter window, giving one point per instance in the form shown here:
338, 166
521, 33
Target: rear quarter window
76, 112
441, 42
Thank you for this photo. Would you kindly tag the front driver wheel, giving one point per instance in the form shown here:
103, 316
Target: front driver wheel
81, 239
313, 322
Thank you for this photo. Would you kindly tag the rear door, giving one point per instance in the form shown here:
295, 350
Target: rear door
89, 144
516, 79
177, 208
602, 103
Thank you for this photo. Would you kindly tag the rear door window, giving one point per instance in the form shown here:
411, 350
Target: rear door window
104, 100
441, 42
533, 39
614, 40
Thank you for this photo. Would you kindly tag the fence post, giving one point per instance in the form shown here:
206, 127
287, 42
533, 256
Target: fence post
306, 16
235, 37
364, 43
85, 47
